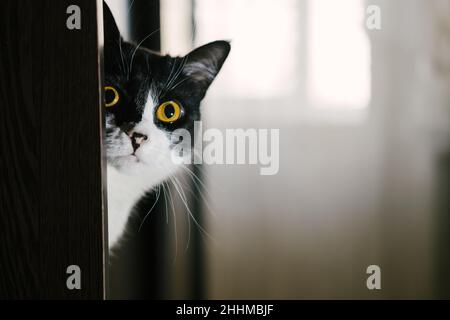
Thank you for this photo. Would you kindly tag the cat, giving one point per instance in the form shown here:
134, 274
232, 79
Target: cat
147, 97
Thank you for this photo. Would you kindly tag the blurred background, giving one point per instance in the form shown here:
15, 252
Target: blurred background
364, 119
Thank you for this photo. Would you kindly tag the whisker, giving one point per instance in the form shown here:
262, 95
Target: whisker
194, 176
188, 220
148, 213
184, 200
211, 181
197, 182
178, 83
122, 56
174, 223
183, 196
198, 189
168, 79
137, 48
202, 198
131, 6
180, 69
165, 199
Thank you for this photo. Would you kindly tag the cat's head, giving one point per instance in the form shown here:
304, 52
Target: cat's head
148, 96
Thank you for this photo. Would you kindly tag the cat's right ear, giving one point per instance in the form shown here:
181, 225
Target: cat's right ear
111, 32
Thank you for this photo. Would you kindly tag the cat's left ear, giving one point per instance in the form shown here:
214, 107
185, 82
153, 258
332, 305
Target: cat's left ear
204, 63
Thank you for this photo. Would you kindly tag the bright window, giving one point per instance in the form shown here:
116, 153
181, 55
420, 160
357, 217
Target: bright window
303, 54
264, 35
338, 54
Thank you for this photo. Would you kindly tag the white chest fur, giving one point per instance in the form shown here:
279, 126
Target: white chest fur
124, 191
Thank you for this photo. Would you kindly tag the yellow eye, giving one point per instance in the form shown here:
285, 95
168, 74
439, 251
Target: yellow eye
111, 97
169, 111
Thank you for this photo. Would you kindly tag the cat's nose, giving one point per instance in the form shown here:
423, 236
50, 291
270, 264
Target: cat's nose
137, 139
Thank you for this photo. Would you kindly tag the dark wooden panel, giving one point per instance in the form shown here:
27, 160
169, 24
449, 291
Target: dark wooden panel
51, 195
442, 238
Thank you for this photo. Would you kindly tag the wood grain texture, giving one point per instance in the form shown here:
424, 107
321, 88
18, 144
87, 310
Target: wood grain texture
51, 193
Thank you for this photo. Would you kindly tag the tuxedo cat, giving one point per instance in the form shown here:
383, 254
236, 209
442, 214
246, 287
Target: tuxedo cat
147, 97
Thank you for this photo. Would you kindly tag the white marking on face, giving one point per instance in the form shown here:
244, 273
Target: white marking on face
130, 176
153, 156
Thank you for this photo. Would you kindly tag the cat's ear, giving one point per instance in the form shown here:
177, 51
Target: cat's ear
112, 34
203, 63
